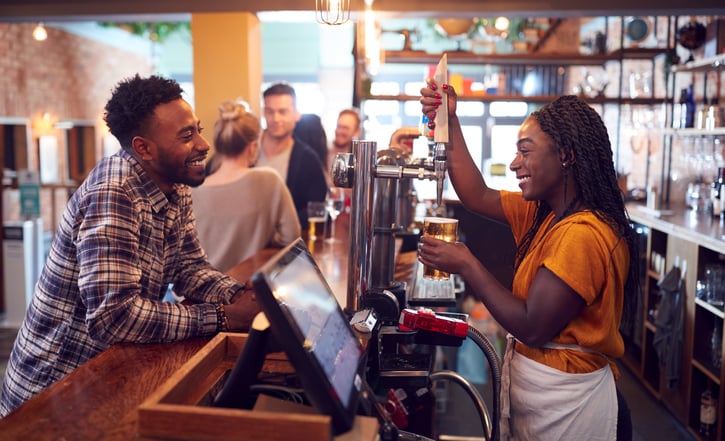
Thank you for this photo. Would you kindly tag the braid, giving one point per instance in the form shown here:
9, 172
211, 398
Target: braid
542, 210
579, 132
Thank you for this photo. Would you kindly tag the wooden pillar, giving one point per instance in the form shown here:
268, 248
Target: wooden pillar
227, 50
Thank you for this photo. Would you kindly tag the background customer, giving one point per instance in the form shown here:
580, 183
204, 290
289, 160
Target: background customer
347, 129
309, 130
294, 160
239, 209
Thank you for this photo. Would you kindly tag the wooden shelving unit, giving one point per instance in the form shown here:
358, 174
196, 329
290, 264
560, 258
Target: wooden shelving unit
534, 58
695, 245
527, 98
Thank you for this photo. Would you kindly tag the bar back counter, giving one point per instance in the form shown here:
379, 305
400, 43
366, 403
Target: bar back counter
689, 244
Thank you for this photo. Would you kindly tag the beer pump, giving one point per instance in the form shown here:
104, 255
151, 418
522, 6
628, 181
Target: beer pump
373, 214
372, 218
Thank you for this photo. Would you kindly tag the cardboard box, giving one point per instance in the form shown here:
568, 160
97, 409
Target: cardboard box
179, 409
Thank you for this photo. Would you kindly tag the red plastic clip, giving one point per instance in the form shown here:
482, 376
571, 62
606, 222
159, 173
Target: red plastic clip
428, 320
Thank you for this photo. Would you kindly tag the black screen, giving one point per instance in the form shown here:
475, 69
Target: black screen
308, 322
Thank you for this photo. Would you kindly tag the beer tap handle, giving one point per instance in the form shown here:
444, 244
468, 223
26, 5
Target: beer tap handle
439, 163
342, 170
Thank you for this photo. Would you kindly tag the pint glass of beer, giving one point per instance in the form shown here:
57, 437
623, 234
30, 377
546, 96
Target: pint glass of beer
443, 228
317, 217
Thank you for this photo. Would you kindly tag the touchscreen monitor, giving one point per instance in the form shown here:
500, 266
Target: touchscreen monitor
308, 322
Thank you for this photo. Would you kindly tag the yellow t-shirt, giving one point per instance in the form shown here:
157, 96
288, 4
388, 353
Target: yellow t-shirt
585, 253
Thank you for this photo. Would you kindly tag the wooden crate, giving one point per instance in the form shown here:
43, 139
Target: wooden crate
179, 410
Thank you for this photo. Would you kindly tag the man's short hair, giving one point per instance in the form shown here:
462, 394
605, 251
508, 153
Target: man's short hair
352, 112
133, 102
281, 89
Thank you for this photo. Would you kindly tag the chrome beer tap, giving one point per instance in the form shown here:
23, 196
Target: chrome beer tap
358, 170
439, 165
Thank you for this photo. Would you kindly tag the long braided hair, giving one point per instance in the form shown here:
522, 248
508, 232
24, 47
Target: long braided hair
579, 132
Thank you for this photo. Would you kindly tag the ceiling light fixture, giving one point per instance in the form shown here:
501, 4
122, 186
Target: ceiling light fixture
372, 42
332, 12
39, 33
501, 24
373, 47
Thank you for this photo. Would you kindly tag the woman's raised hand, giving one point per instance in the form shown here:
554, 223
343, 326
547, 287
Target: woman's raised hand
431, 98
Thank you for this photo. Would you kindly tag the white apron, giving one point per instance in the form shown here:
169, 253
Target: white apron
541, 403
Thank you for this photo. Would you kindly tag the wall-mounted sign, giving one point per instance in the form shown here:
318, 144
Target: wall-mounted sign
29, 186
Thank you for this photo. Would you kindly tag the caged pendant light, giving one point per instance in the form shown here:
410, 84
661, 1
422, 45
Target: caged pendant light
332, 12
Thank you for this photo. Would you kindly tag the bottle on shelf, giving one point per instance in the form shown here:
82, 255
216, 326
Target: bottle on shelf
690, 107
679, 111
716, 193
653, 198
714, 116
708, 412
701, 114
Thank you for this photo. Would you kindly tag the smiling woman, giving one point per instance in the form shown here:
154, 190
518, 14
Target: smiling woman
563, 295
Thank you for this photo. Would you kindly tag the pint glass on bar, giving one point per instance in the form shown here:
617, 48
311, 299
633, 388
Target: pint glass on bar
317, 218
442, 228
317, 228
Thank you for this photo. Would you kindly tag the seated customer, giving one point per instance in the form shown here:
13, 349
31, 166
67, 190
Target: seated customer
239, 209
125, 235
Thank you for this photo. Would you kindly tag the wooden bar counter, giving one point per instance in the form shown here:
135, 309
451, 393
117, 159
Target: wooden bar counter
99, 400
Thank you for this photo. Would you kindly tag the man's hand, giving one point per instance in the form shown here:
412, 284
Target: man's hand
242, 310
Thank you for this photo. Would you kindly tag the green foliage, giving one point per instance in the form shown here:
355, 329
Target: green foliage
154, 31
515, 28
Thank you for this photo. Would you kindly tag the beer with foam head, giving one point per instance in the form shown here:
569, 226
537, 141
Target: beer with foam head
442, 228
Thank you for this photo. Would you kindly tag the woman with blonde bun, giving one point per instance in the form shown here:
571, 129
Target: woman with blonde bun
241, 209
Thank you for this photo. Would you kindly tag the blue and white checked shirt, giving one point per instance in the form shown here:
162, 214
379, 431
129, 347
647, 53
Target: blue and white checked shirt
119, 244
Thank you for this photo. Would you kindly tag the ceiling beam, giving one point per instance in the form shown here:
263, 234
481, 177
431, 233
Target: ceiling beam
33, 10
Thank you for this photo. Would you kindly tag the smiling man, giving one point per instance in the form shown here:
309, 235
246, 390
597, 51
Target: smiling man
125, 235
294, 160
346, 130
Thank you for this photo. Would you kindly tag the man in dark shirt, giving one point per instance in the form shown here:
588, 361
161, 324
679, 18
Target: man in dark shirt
295, 161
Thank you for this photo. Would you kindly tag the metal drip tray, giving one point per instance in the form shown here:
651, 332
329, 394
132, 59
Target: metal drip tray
405, 369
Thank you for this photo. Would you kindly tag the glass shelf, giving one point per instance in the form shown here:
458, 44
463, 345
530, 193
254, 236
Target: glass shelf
713, 309
714, 63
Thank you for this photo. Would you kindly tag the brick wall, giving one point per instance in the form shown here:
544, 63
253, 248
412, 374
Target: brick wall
67, 75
